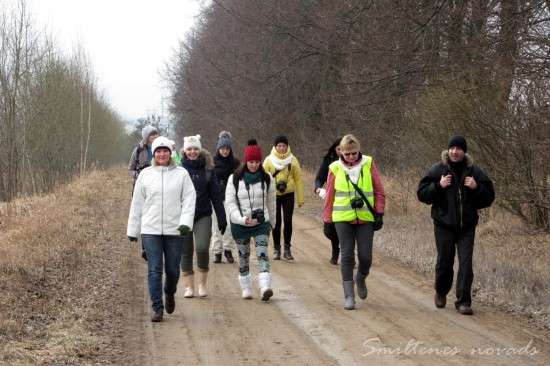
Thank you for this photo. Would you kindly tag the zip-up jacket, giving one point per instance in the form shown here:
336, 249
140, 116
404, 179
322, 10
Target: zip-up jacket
251, 199
455, 207
164, 198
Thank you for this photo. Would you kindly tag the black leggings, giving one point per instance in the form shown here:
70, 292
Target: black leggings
285, 203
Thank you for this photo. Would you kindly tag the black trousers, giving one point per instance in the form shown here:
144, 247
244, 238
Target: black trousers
285, 203
448, 242
330, 233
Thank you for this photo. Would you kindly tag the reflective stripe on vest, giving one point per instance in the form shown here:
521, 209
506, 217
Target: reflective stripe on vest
344, 193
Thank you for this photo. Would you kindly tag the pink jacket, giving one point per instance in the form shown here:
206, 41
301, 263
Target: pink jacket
379, 196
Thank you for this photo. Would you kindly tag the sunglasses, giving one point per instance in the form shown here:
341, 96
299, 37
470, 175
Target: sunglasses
353, 153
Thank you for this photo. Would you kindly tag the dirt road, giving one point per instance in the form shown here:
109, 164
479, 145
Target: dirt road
305, 323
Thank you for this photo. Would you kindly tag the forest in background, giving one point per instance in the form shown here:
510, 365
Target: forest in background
54, 121
402, 75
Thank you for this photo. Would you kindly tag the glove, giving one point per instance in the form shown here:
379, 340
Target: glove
322, 193
222, 228
132, 238
378, 222
183, 229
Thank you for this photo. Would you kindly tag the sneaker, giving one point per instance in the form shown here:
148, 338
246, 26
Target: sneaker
288, 255
277, 255
218, 258
464, 310
440, 301
156, 316
229, 256
170, 301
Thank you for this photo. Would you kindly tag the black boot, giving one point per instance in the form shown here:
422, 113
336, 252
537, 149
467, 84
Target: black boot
218, 258
361, 285
228, 256
170, 303
276, 255
288, 255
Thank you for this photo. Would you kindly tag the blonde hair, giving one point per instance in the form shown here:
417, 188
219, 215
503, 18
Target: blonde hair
349, 142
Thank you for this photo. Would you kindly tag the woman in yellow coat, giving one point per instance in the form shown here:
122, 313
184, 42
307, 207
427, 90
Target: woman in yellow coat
287, 174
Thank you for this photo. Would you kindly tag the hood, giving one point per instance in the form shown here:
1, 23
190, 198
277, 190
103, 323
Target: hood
467, 157
204, 156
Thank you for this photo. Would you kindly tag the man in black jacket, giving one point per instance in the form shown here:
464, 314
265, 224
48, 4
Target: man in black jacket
456, 189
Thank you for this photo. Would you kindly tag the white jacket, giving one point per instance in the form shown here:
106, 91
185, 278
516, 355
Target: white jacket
164, 198
232, 209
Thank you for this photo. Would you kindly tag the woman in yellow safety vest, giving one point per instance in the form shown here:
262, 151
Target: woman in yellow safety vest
355, 204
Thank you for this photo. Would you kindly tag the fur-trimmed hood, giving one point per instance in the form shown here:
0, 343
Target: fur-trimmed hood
204, 156
467, 157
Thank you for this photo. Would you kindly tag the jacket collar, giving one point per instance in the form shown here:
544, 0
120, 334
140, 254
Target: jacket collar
445, 158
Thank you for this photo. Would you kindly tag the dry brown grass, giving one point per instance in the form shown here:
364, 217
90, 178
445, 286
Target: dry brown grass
59, 258
511, 261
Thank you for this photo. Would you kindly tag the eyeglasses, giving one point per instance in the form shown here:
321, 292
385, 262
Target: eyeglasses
352, 153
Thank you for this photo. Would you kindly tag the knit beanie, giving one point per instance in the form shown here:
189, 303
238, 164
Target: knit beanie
192, 141
458, 141
252, 152
147, 131
280, 139
161, 141
224, 140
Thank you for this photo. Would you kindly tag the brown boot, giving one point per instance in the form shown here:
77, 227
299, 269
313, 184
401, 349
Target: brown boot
203, 277
440, 301
465, 310
189, 283
156, 316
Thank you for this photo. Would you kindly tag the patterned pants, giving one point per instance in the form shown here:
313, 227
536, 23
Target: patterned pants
261, 252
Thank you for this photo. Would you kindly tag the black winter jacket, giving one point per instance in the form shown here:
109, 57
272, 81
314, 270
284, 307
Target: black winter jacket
224, 167
455, 207
322, 173
207, 187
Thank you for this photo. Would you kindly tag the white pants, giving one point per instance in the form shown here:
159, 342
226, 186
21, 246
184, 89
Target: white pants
220, 242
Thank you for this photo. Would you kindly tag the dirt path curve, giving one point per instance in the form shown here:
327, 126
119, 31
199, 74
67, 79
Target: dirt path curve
305, 323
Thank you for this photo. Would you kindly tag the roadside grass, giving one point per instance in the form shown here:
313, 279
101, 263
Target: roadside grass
60, 255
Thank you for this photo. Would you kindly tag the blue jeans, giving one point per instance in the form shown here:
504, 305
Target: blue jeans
159, 249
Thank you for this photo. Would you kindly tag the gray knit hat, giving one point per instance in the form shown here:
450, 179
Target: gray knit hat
224, 140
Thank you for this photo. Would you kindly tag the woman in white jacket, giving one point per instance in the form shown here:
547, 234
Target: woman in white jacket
162, 211
250, 206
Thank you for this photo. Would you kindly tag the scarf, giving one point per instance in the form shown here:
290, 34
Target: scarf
280, 161
354, 171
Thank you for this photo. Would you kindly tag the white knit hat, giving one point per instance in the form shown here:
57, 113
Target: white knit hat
161, 141
192, 141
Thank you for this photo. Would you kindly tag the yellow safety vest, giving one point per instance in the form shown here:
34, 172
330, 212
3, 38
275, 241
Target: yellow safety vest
344, 193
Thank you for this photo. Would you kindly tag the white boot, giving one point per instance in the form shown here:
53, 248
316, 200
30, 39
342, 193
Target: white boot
264, 283
246, 286
203, 276
189, 283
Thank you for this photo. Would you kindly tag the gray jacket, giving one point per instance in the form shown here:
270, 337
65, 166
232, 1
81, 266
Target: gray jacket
138, 160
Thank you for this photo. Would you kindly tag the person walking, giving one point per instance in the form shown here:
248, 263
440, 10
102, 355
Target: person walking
285, 169
162, 211
250, 206
225, 164
142, 154
141, 158
355, 204
332, 155
199, 165
456, 189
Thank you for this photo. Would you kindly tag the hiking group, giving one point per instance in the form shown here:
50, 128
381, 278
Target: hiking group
188, 203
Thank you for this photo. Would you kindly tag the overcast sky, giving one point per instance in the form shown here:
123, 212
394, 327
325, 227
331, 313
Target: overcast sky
128, 42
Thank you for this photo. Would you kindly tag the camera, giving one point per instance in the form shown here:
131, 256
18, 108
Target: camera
357, 202
281, 186
258, 214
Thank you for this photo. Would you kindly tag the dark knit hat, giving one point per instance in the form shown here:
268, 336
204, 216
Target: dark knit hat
224, 140
280, 139
252, 152
458, 141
